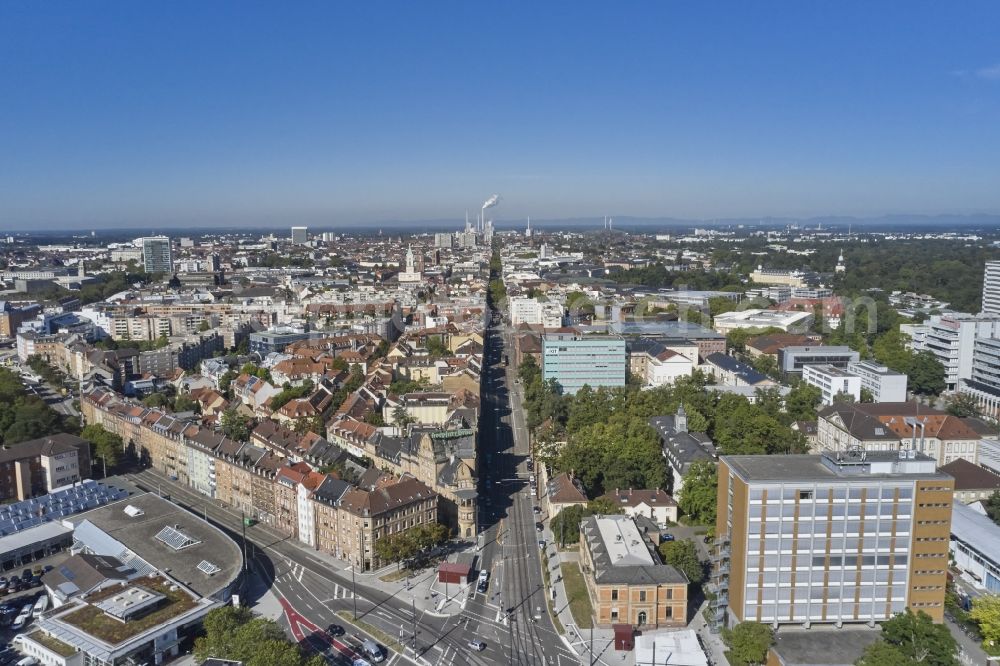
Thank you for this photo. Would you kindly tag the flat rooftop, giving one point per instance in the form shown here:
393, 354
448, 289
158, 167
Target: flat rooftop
149, 529
796, 646
830, 370
624, 543
827, 467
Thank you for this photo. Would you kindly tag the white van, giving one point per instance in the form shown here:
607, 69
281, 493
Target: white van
41, 606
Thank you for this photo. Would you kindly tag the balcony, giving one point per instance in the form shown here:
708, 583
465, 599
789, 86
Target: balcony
722, 553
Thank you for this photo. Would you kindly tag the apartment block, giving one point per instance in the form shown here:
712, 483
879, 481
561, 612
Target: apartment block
532, 311
836, 538
38, 466
952, 339
991, 288
832, 381
884, 384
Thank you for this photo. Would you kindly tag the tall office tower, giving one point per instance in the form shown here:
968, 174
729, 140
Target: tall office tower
300, 235
991, 288
157, 256
835, 538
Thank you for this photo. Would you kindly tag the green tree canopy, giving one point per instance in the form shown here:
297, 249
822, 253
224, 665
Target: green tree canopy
699, 495
986, 612
104, 444
682, 554
748, 643
912, 638
236, 426
235, 633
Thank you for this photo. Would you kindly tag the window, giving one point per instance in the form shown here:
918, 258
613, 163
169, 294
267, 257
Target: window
642, 595
614, 595
805, 494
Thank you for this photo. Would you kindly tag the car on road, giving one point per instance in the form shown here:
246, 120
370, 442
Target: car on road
536, 509
335, 630
539, 527
666, 537
372, 650
541, 544
478, 646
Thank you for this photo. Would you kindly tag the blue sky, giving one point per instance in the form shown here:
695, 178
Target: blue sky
133, 113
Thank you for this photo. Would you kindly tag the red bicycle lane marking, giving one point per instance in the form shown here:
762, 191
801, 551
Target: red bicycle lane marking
296, 621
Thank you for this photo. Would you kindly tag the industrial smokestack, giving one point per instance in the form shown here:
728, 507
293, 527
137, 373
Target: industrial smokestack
489, 203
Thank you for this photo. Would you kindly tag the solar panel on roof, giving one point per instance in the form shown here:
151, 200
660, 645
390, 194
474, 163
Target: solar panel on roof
175, 538
208, 568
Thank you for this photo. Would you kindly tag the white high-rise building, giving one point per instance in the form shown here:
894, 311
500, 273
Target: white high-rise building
991, 288
157, 255
300, 235
951, 338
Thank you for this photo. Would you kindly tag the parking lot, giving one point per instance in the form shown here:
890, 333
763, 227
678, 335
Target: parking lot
11, 603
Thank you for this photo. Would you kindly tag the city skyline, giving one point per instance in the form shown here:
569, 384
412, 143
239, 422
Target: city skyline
327, 116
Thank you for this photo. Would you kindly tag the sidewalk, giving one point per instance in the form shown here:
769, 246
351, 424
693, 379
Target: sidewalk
577, 639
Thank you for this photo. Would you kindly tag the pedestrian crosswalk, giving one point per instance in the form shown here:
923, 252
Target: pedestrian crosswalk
340, 593
295, 572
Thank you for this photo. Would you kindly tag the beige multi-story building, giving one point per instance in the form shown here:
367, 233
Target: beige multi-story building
443, 458
831, 539
625, 579
365, 516
268, 480
887, 426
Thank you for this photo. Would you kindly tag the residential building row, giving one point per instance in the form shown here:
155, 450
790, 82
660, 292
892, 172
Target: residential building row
273, 478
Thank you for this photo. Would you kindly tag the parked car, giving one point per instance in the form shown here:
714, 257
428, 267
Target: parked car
478, 646
26, 574
666, 537
538, 527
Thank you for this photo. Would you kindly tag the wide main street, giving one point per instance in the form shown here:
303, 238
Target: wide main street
511, 618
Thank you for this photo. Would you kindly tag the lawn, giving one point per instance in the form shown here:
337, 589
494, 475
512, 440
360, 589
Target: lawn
576, 590
95, 622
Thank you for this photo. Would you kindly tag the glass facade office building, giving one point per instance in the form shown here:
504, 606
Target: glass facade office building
574, 360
